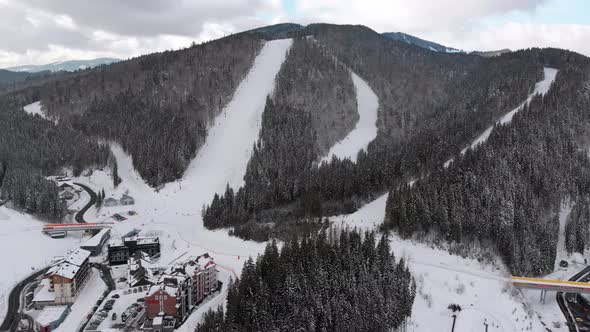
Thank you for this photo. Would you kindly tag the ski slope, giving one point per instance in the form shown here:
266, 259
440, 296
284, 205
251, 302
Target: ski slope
540, 88
366, 128
173, 213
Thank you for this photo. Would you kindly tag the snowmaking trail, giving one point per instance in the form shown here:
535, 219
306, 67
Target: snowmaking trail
366, 128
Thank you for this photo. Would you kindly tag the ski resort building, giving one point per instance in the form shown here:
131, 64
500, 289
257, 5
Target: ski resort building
63, 280
97, 242
182, 288
119, 252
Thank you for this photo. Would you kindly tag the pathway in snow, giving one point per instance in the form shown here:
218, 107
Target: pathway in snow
228, 147
366, 128
540, 88
174, 212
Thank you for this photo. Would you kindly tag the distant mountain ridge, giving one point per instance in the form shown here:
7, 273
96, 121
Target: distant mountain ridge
409, 39
70, 65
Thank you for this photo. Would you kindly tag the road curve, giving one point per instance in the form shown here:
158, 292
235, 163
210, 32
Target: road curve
12, 318
93, 197
563, 303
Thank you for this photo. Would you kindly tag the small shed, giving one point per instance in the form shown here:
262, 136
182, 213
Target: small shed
110, 202
127, 200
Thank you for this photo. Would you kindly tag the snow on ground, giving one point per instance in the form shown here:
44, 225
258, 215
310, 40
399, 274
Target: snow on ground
87, 298
366, 128
24, 247
482, 290
174, 212
34, 108
540, 88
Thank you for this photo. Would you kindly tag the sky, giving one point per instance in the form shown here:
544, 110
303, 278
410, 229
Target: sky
44, 31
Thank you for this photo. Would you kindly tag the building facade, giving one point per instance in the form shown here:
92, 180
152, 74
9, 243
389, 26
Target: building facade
119, 253
182, 288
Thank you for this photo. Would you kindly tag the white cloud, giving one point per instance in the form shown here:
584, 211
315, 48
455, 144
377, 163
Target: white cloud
513, 35
36, 31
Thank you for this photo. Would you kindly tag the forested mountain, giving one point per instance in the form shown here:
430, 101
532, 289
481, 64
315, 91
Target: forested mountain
430, 106
32, 148
510, 189
412, 40
157, 106
343, 282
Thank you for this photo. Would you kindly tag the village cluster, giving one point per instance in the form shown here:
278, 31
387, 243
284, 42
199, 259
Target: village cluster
141, 293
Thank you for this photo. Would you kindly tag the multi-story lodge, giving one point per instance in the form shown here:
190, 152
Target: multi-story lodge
181, 288
64, 280
119, 253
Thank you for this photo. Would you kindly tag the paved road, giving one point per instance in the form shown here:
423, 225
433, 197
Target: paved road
571, 308
93, 197
13, 316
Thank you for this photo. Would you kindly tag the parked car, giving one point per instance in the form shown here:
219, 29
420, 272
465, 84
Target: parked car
114, 316
563, 263
116, 296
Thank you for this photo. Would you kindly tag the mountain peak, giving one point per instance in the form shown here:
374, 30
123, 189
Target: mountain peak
412, 40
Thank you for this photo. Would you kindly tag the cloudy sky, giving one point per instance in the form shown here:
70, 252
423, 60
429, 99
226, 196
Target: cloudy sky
43, 31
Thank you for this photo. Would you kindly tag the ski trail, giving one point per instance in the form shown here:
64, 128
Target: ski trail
223, 158
220, 161
541, 88
366, 128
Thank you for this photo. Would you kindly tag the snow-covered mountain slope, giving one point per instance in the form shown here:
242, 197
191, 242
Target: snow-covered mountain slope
481, 289
228, 147
366, 128
412, 40
71, 65
540, 88
174, 212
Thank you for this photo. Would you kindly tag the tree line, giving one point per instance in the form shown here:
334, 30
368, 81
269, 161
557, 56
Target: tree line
32, 148
510, 190
334, 281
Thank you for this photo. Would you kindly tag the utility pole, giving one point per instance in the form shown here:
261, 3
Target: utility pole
454, 319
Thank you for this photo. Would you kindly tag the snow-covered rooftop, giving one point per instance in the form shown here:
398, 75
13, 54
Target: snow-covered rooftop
70, 265
44, 294
77, 256
96, 239
50, 314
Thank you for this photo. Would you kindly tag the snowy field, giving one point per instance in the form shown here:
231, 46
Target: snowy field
540, 88
482, 290
366, 128
25, 248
